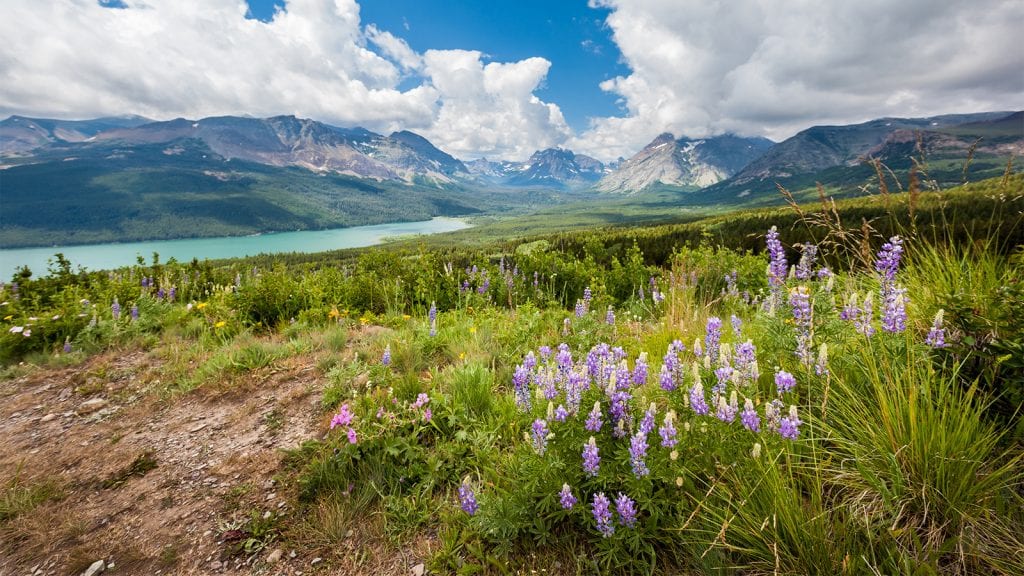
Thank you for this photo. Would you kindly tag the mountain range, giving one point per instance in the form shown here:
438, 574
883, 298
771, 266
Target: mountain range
130, 178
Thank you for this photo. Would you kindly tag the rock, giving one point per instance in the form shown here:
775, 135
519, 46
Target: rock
90, 406
195, 429
48, 418
316, 561
292, 554
418, 569
95, 568
275, 556
215, 565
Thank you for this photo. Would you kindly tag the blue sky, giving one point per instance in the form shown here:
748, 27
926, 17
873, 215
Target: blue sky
568, 33
503, 79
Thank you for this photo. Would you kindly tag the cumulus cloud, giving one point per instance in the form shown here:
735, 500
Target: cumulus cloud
195, 58
773, 67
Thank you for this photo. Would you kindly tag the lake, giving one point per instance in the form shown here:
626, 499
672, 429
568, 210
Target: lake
106, 256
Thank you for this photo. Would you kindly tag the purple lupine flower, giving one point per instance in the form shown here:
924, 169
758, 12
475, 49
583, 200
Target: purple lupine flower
561, 414
529, 361
667, 431
482, 289
647, 423
145, 282
467, 499
581, 309
730, 284
619, 409
115, 309
726, 412
887, 262
697, 401
666, 378
545, 352
851, 311
134, 311
937, 335
565, 497
587, 295
385, 358
698, 350
564, 357
465, 286
539, 436
640, 293
808, 254
713, 338
591, 458
521, 387
657, 296
342, 418
536, 279
609, 317
547, 383
824, 273
603, 514
640, 370
751, 421
160, 294
784, 381
737, 324
746, 363
777, 266
565, 327
67, 345
894, 310
594, 420
432, 318
789, 425
626, 509
800, 300
773, 412
172, 294
722, 377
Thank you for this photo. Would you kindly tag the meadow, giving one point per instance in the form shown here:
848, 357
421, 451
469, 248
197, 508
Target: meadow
831, 387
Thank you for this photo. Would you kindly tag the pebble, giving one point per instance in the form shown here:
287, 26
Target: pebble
418, 569
275, 556
215, 565
97, 567
48, 418
316, 561
91, 405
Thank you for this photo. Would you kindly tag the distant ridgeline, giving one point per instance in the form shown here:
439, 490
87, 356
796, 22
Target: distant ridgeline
127, 179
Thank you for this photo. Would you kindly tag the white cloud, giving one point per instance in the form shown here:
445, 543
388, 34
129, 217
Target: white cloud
489, 109
195, 58
773, 67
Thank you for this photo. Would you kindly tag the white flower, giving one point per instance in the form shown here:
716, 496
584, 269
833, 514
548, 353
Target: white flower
26, 333
55, 317
17, 329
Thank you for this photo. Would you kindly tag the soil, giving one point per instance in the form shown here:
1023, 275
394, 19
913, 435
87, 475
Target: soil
158, 484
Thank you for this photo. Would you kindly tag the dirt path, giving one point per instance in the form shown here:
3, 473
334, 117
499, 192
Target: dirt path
149, 485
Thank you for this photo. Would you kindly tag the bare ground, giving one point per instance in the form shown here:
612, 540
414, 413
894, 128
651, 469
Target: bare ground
96, 430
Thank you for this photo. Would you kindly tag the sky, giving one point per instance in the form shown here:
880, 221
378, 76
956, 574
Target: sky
502, 79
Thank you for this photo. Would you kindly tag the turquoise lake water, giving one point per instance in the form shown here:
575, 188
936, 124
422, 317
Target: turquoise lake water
106, 256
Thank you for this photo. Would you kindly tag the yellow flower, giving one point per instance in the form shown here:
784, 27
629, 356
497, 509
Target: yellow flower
462, 355
406, 316
201, 305
220, 324
9, 316
472, 329
364, 320
334, 313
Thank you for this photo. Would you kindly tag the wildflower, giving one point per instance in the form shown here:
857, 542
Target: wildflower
894, 311
27, 333
626, 509
863, 322
647, 424
808, 254
697, 401
342, 418
352, 437
594, 421
16, 329
566, 498
755, 452
637, 453
640, 370
385, 359
937, 335
668, 430
467, 499
115, 309
427, 415
737, 324
520, 386
565, 327
220, 324
788, 426
561, 414
697, 350
726, 412
746, 370
751, 421
540, 436
591, 458
784, 381
603, 514
619, 408
777, 266
432, 317
888, 259
587, 295
722, 377
202, 305
730, 284
172, 293
67, 345
712, 337
609, 317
